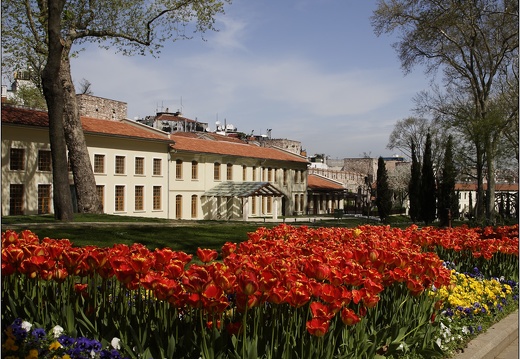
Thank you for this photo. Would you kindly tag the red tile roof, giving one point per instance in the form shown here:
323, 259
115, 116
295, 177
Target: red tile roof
27, 117
319, 182
225, 145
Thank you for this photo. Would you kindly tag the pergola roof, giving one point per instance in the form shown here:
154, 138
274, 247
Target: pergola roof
243, 189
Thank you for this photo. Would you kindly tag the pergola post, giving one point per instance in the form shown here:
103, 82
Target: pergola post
245, 208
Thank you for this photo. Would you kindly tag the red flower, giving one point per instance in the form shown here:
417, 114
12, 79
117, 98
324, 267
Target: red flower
349, 317
247, 282
319, 309
228, 248
318, 326
206, 255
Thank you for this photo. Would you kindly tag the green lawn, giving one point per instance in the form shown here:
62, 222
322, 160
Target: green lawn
187, 236
107, 230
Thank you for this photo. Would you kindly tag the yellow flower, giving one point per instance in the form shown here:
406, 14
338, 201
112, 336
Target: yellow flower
66, 356
10, 344
54, 345
33, 354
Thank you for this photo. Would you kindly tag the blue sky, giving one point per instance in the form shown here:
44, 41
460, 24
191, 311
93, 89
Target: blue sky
310, 70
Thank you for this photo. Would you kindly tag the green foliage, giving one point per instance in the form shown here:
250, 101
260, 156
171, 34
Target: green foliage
428, 187
383, 192
414, 187
448, 201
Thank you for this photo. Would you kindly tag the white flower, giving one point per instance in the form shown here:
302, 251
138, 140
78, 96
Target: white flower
92, 353
465, 330
26, 326
57, 331
115, 343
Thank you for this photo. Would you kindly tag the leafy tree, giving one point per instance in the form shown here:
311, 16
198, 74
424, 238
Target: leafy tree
29, 96
133, 26
473, 43
414, 187
448, 201
383, 192
428, 188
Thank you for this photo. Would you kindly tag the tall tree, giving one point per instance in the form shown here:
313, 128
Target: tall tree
428, 186
133, 26
383, 192
414, 187
474, 43
408, 131
54, 97
448, 201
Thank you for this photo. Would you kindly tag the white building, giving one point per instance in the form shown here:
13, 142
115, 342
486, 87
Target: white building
142, 171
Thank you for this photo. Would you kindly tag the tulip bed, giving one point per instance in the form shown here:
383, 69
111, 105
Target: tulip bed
286, 292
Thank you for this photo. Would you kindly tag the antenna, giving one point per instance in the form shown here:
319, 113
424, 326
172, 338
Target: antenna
182, 110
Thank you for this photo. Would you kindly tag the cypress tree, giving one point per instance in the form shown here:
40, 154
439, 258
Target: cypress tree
383, 192
448, 202
414, 187
428, 188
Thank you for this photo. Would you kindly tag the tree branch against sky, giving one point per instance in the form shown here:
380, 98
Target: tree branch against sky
472, 43
128, 27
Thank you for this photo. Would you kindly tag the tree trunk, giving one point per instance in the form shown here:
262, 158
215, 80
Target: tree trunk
84, 180
491, 183
54, 97
479, 203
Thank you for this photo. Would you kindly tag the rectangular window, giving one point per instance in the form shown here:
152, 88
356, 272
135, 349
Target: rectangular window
302, 203
120, 198
16, 199
216, 171
44, 198
99, 163
244, 173
194, 206
100, 189
157, 163
229, 172
17, 159
270, 174
139, 198
254, 174
178, 206
120, 165
139, 165
178, 169
269, 204
44, 160
285, 177
194, 170
156, 197
302, 179
296, 176
253, 205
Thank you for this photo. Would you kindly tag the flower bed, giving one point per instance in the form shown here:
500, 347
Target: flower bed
286, 292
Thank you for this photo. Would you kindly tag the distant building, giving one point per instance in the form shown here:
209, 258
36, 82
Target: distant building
506, 198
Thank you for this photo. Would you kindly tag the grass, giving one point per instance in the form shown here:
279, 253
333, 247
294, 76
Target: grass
187, 236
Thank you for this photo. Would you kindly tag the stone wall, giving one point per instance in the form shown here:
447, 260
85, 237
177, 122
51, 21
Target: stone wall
288, 145
102, 108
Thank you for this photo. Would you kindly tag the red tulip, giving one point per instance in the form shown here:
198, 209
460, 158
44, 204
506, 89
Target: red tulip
349, 317
318, 326
206, 255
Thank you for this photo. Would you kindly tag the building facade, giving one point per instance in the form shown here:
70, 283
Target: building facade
142, 171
